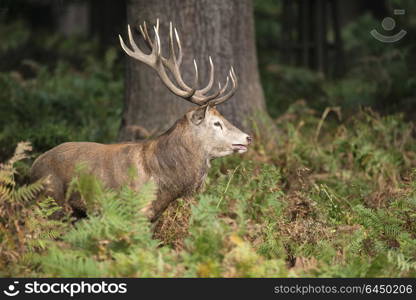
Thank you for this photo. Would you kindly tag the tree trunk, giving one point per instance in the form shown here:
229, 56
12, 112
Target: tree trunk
223, 29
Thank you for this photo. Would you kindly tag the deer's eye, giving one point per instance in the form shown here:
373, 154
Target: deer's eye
218, 124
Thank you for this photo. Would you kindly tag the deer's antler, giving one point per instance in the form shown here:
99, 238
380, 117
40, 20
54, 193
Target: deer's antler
159, 63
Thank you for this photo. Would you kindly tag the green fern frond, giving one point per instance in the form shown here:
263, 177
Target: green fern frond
27, 193
5, 192
6, 175
20, 152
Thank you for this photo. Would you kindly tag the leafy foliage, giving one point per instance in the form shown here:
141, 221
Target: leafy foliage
24, 224
330, 198
53, 102
378, 75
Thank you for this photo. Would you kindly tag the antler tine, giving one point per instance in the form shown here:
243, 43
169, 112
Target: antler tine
225, 86
196, 80
211, 78
142, 32
157, 49
127, 50
231, 92
173, 64
218, 93
171, 45
137, 53
180, 54
132, 42
206, 99
146, 35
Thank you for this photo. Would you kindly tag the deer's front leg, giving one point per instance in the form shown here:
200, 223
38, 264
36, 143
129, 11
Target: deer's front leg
158, 206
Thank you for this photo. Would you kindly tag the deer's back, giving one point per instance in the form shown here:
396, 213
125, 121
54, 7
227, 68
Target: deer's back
109, 163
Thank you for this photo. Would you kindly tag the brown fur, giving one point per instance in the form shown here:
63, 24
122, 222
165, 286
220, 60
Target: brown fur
178, 162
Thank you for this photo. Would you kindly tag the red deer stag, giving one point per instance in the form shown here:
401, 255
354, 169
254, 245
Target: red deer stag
177, 161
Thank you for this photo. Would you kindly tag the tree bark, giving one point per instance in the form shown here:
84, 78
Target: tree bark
223, 29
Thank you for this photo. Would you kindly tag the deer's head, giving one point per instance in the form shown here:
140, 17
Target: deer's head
217, 136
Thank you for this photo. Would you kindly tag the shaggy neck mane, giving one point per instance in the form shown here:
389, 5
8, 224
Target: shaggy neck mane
176, 159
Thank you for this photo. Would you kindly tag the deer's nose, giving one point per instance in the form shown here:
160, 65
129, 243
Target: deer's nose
249, 139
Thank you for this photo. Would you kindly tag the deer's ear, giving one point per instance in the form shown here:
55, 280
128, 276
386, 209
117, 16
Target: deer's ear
199, 114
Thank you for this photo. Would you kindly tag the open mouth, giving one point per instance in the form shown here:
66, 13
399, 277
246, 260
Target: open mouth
239, 147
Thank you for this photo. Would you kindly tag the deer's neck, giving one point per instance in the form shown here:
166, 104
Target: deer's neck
176, 160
